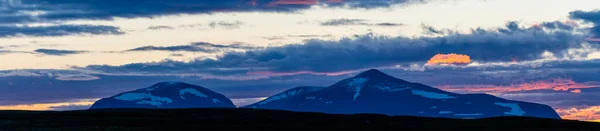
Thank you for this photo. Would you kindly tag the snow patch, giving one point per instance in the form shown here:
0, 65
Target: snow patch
154, 100
515, 109
432, 95
190, 91
433, 107
357, 83
281, 96
152, 88
216, 101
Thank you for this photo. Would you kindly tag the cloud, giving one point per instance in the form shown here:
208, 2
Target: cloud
584, 113
449, 59
367, 51
563, 85
226, 24
189, 48
161, 27
58, 30
194, 47
338, 22
63, 75
345, 22
56, 52
591, 17
24, 11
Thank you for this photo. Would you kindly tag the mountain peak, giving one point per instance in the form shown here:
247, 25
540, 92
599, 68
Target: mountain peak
372, 73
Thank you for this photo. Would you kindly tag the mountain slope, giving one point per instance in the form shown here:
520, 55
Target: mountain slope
375, 92
166, 95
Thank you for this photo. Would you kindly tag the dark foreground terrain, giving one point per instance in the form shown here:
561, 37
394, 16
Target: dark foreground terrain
247, 119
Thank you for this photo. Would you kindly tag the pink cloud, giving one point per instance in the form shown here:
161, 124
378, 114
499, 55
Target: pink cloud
591, 113
555, 84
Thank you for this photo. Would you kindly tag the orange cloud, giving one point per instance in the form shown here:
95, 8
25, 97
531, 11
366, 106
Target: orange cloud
585, 114
555, 84
449, 59
576, 91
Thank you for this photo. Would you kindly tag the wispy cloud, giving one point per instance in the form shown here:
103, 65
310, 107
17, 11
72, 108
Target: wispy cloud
57, 30
194, 47
363, 22
160, 27
563, 85
226, 24
56, 52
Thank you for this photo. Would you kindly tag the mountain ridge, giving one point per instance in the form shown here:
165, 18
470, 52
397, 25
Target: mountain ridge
373, 91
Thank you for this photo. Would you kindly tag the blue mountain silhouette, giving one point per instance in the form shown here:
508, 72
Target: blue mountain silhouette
376, 92
166, 95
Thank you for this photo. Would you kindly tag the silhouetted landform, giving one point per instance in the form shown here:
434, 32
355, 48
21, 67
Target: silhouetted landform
259, 119
376, 92
369, 92
166, 95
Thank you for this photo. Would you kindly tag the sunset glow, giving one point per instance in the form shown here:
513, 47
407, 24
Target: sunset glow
555, 84
449, 59
588, 113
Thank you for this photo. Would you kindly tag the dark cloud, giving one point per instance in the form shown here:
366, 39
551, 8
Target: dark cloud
345, 22
591, 17
226, 24
58, 52
430, 30
23, 11
366, 51
557, 25
194, 47
161, 27
59, 30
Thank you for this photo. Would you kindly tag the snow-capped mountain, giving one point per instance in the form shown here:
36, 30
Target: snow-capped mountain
281, 100
375, 92
166, 95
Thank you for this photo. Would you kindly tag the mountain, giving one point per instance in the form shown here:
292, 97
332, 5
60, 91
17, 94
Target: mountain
166, 95
376, 92
280, 100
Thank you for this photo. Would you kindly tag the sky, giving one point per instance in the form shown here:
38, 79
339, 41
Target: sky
64, 55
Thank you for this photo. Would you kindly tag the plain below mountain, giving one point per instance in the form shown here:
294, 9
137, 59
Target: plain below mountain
375, 92
166, 95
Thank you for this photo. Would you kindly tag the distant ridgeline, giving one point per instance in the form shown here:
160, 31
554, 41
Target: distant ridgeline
369, 92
